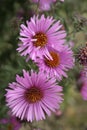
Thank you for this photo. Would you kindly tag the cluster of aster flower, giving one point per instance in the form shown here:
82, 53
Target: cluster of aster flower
34, 95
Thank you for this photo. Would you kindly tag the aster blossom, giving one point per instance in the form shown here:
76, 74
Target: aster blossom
45, 4
38, 34
82, 55
84, 90
32, 96
83, 83
12, 123
60, 63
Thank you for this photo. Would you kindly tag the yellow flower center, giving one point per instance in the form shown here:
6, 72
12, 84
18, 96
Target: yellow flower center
55, 60
33, 95
41, 39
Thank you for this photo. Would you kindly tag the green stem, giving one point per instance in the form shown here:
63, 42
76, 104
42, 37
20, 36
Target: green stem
31, 126
37, 8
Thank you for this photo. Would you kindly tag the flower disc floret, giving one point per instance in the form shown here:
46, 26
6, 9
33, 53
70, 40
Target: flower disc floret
33, 95
54, 62
41, 39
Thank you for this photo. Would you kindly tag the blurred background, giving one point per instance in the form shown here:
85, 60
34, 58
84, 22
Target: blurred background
73, 15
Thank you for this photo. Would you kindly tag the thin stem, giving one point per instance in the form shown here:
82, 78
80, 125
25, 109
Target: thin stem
31, 126
37, 8
70, 33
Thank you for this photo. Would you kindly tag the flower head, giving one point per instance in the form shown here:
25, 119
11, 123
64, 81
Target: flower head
58, 113
82, 81
84, 90
60, 63
45, 5
33, 96
38, 34
71, 44
13, 123
82, 56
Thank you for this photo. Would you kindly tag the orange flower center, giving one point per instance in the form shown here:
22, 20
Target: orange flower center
41, 39
55, 60
33, 95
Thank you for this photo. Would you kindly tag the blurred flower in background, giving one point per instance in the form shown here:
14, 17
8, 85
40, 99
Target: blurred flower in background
71, 43
58, 113
83, 82
11, 122
45, 5
82, 55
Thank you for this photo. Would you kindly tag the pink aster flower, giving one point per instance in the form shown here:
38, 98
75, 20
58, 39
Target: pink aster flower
58, 113
4, 121
15, 124
12, 122
83, 82
84, 90
60, 63
62, 0
71, 44
33, 96
45, 5
38, 34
